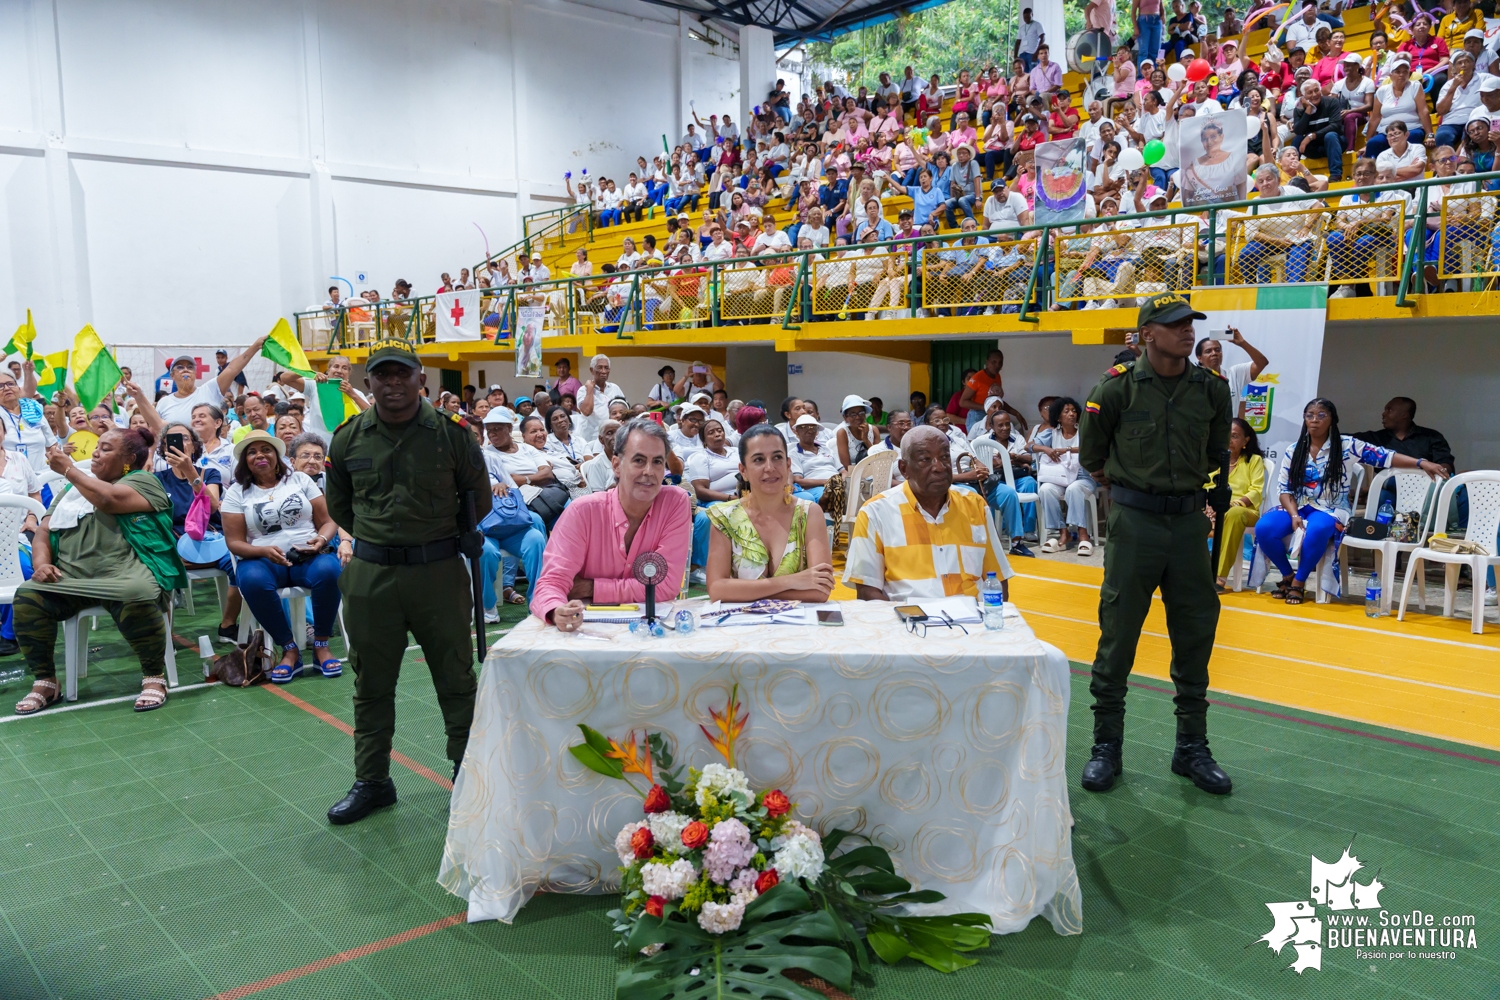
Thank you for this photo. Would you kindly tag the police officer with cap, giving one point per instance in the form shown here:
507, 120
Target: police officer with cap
398, 476
1155, 430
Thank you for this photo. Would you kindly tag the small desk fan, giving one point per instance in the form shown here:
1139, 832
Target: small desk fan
650, 569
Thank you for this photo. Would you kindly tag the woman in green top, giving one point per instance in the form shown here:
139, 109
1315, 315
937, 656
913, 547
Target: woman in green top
767, 519
81, 557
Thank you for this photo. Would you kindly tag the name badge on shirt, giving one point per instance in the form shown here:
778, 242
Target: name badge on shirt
356, 464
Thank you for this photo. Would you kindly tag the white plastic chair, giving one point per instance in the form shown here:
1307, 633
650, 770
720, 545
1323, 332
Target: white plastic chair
1258, 567
221, 585
1317, 576
1484, 523
76, 649
13, 511
876, 468
986, 448
1411, 492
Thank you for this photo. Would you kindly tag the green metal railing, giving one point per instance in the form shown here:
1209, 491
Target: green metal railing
795, 286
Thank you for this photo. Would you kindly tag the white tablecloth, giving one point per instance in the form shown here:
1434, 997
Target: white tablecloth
948, 750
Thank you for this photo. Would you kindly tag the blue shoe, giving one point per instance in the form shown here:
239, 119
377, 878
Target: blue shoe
281, 673
1020, 549
330, 668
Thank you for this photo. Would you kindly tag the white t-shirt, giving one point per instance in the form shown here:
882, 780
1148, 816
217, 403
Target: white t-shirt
588, 427
175, 409
683, 447
1414, 154
772, 241
221, 458
1465, 100
1030, 36
19, 478
999, 213
719, 470
1401, 109
281, 516
1356, 95
524, 461
25, 441
598, 473
820, 464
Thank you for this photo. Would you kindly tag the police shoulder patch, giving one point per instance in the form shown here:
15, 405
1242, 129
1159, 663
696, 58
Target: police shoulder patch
1117, 371
1091, 406
459, 420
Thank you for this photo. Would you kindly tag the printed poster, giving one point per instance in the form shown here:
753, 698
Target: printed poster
529, 321
1061, 186
1211, 151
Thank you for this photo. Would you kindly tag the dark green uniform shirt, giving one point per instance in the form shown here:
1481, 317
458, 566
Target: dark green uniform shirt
1151, 436
403, 485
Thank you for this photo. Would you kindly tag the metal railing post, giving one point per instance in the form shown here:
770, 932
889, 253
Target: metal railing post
1036, 266
1418, 231
1213, 242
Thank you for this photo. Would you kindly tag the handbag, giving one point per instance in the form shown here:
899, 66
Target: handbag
1370, 531
243, 665
195, 521
507, 516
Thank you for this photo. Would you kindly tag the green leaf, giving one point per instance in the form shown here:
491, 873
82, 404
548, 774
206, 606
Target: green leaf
595, 761
891, 948
833, 840
879, 883
780, 931
920, 896
868, 856
596, 739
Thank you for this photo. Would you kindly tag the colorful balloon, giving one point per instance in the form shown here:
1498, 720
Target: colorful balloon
1153, 152
1199, 69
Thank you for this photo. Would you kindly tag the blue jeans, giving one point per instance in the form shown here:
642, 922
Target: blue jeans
1028, 59
1449, 135
609, 217
966, 202
1274, 531
1331, 145
814, 494
259, 579
1256, 255
700, 538
1147, 38
530, 543
1018, 519
1351, 258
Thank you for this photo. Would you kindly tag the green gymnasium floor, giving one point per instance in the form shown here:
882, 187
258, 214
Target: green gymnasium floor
185, 854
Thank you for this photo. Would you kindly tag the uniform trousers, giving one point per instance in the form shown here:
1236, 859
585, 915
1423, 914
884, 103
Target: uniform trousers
1148, 551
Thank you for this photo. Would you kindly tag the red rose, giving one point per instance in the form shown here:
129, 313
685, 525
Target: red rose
642, 843
694, 835
768, 878
776, 804
654, 906
657, 800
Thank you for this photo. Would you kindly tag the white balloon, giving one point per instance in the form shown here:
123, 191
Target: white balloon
1131, 159
1177, 72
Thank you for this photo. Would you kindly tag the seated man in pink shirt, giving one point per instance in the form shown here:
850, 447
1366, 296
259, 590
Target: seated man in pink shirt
597, 537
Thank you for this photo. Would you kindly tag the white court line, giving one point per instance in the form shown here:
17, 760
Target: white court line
1293, 659
75, 706
1289, 618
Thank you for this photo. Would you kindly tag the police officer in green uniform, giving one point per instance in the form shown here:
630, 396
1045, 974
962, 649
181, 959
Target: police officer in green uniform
397, 478
1155, 430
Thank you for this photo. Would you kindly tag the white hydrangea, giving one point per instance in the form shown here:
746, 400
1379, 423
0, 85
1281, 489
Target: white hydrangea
742, 886
667, 829
721, 918
721, 780
799, 856
668, 881
622, 842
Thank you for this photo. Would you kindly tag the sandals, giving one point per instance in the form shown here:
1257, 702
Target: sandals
512, 596
1279, 591
1085, 548
44, 692
1294, 592
153, 694
283, 673
330, 667
1051, 545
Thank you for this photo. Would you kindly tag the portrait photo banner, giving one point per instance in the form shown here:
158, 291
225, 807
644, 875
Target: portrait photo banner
1211, 151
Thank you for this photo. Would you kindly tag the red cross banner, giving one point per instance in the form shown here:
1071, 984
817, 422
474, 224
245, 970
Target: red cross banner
457, 315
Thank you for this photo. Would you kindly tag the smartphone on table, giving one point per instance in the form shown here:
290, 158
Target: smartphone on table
830, 616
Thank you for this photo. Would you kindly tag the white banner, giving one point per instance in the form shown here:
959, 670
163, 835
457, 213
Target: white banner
457, 315
529, 321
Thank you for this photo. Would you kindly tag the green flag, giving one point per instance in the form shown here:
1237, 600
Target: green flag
20, 341
282, 348
95, 371
334, 406
51, 373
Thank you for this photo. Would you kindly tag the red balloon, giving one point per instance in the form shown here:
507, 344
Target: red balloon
1199, 69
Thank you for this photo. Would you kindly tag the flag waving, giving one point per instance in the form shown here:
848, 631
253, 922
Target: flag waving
334, 406
51, 373
457, 315
282, 348
95, 371
20, 341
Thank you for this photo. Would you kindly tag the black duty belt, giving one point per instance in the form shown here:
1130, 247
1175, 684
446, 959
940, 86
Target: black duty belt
406, 555
1156, 503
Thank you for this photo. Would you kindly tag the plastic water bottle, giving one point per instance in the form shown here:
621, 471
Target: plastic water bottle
1372, 598
1387, 512
992, 603
9, 675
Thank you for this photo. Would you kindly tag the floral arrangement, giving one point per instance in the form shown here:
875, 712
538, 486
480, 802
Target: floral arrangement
722, 886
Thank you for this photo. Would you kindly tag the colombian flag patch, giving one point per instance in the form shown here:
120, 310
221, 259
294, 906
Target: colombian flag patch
1091, 406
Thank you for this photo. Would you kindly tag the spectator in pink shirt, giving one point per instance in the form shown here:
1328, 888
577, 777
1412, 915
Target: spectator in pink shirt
566, 384
595, 543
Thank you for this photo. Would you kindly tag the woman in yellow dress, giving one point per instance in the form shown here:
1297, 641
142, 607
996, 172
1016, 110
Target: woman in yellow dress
1247, 485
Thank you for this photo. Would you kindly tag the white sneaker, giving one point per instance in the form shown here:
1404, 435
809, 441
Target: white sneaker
1343, 292
698, 577
491, 616
1490, 599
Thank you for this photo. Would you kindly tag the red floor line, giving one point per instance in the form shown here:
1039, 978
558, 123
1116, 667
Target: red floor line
348, 730
1320, 725
344, 956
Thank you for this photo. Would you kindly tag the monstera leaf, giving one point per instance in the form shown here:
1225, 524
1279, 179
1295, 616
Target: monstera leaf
780, 931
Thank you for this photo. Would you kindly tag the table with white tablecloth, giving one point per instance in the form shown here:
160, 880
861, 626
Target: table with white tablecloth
947, 749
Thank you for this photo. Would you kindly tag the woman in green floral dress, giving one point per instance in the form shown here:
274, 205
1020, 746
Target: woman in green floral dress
767, 519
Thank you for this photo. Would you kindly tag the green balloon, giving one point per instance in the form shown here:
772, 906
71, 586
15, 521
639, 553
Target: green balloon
1153, 152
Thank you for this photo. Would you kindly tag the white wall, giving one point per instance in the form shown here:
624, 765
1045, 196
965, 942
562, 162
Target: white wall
827, 378
186, 171
1050, 365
